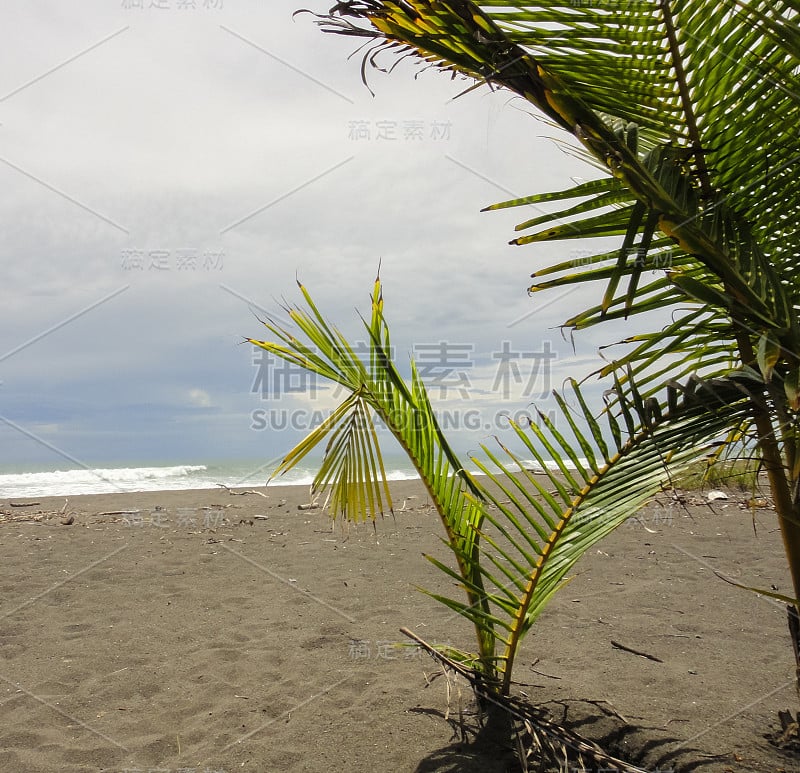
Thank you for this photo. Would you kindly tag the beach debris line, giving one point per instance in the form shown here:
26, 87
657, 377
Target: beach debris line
23, 517
37, 517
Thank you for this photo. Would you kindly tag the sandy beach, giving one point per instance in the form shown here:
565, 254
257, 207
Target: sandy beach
200, 631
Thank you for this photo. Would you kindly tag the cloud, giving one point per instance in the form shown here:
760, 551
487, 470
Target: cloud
128, 165
199, 398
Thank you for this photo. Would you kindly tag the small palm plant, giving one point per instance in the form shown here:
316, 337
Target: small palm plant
690, 109
514, 536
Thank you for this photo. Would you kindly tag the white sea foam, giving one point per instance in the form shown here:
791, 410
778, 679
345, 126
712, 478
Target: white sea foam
99, 481
102, 480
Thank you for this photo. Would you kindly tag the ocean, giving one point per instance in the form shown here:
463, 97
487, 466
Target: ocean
71, 480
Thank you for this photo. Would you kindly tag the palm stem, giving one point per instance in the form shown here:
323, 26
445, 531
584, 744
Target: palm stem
787, 509
485, 639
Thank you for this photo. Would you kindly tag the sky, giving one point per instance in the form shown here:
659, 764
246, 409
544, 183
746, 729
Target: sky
169, 168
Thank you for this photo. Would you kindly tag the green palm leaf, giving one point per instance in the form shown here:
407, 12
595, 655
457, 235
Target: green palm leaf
352, 469
690, 110
649, 90
514, 536
539, 526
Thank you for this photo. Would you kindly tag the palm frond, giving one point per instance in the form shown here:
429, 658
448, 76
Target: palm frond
540, 524
514, 535
692, 113
352, 469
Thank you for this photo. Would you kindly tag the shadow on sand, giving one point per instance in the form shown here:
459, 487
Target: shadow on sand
477, 748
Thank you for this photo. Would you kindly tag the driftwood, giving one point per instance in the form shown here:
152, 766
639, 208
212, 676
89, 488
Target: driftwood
23, 517
641, 654
241, 493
